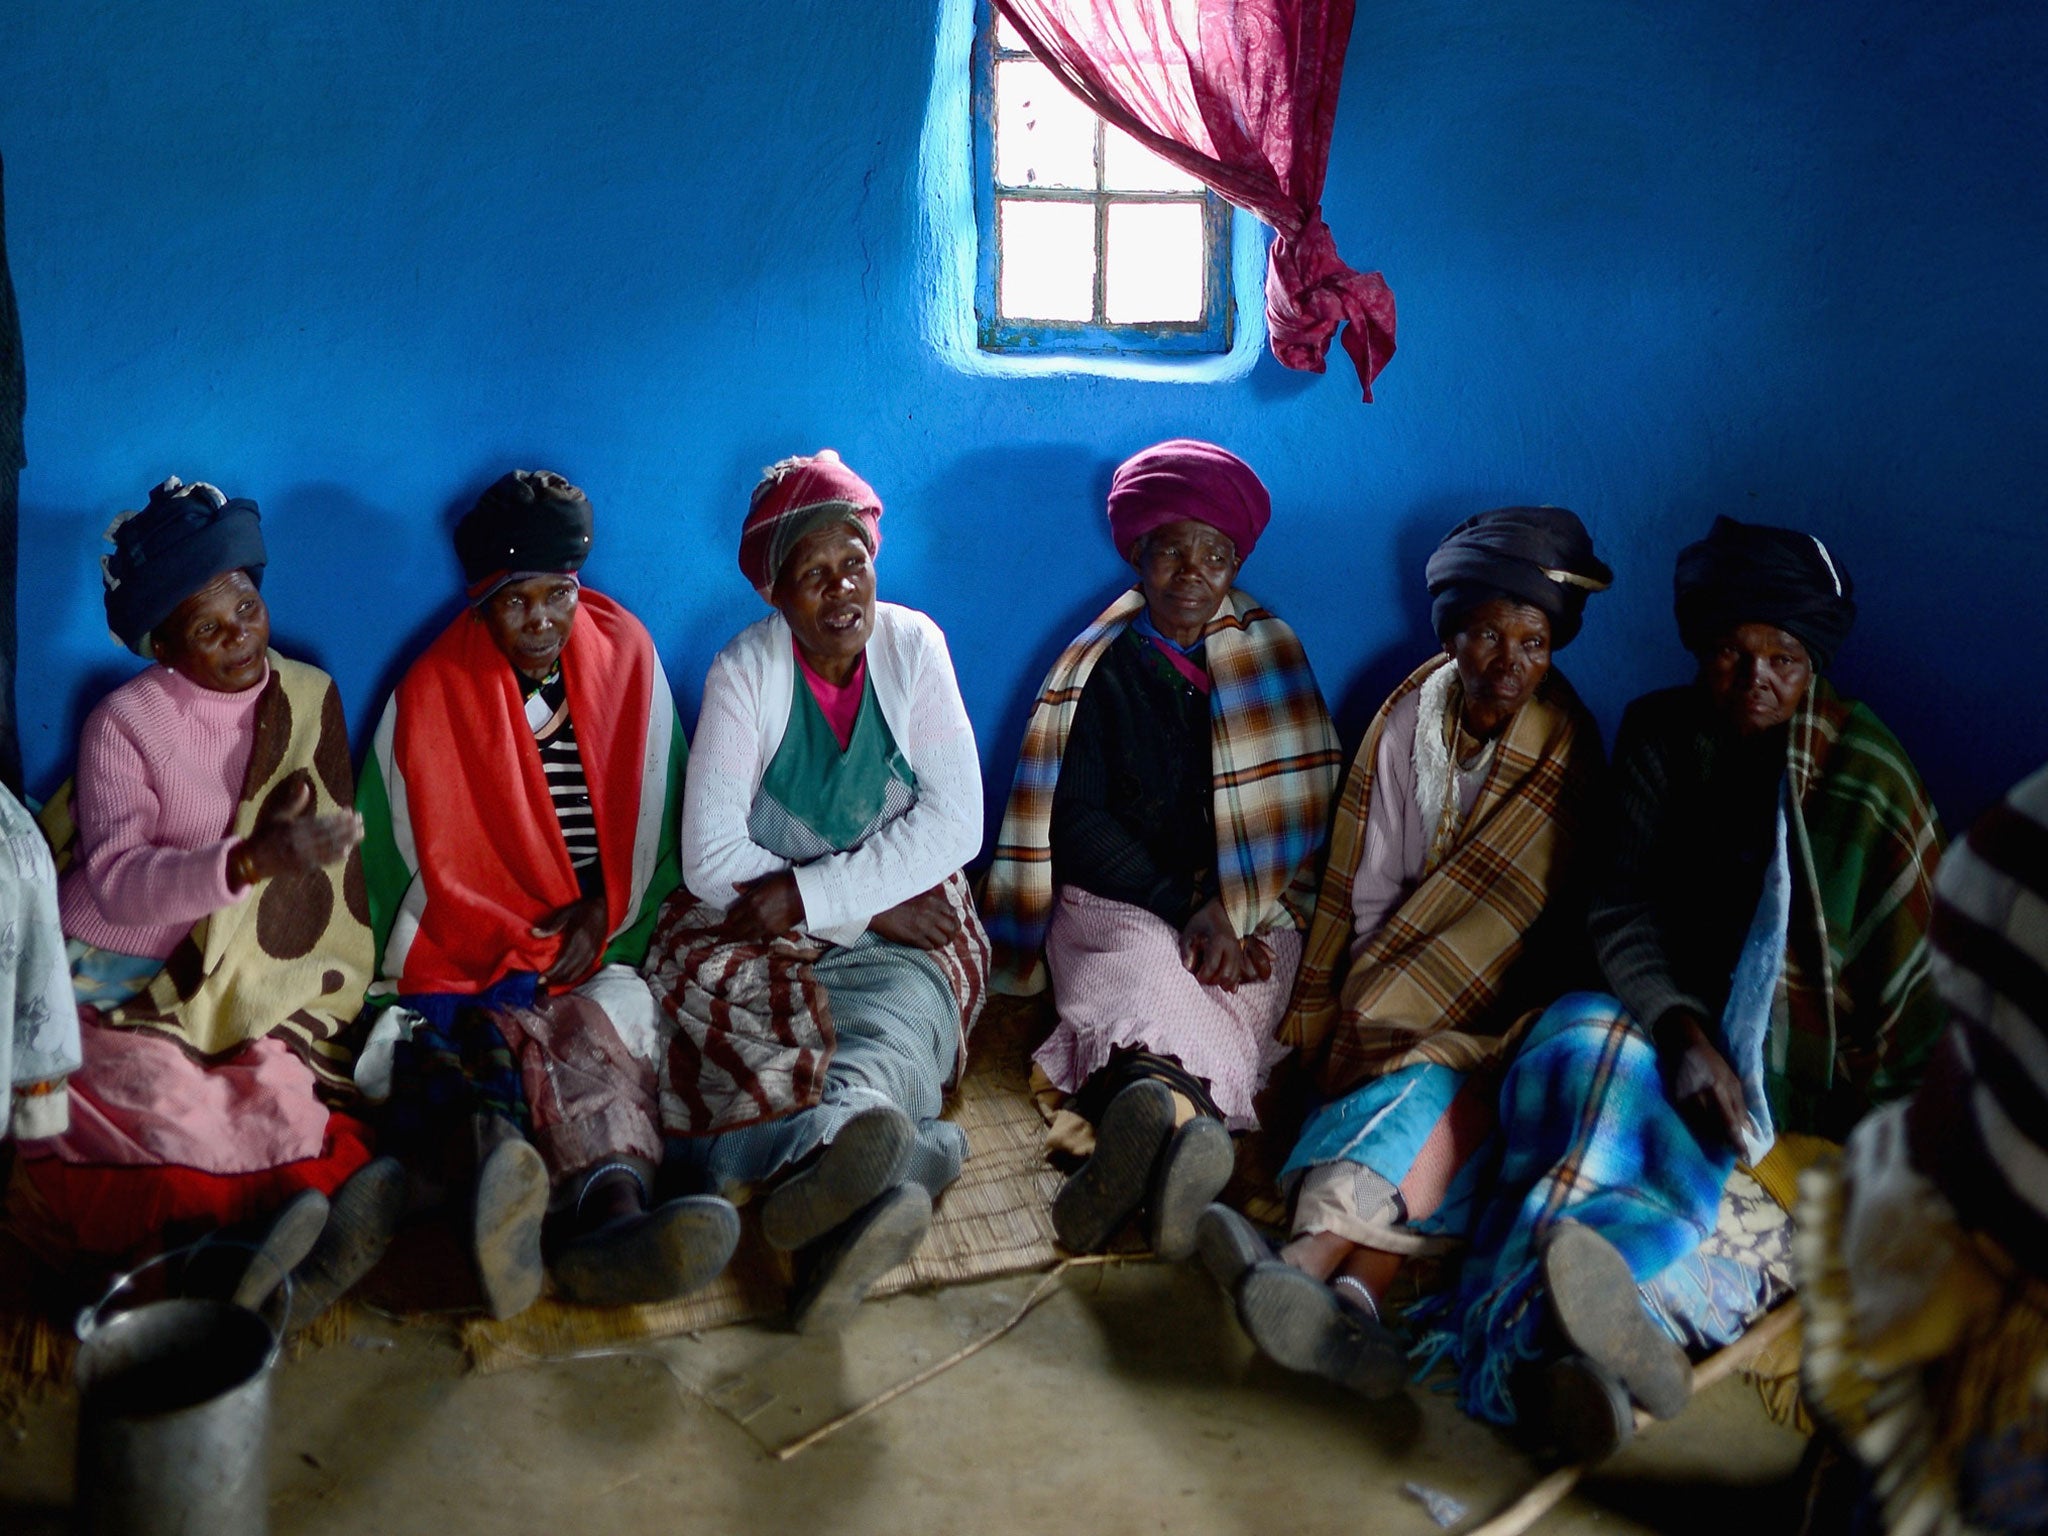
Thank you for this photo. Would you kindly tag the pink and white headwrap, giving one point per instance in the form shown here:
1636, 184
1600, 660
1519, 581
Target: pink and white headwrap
1181, 479
795, 497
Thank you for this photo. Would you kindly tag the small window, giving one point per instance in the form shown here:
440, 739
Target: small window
1088, 242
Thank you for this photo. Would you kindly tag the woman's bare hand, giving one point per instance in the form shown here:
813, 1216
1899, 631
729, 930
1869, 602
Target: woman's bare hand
1213, 953
291, 840
582, 929
766, 908
1702, 1086
925, 921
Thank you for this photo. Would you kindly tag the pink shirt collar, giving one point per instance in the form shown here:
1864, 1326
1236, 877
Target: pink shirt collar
212, 701
839, 701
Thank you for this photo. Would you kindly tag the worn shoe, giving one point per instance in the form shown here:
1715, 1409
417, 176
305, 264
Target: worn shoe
1230, 1246
848, 1262
864, 1161
1594, 1298
361, 1221
1586, 1412
1107, 1190
511, 1204
1297, 1321
245, 1265
1192, 1171
658, 1255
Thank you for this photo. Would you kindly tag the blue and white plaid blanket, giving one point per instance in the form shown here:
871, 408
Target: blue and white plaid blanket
1588, 1136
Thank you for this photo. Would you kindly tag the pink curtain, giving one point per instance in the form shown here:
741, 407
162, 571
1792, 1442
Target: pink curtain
1247, 104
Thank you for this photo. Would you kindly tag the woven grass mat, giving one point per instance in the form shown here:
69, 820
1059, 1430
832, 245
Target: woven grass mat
997, 1220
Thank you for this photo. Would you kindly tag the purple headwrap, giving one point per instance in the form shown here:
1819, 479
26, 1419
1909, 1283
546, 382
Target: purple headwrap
1187, 479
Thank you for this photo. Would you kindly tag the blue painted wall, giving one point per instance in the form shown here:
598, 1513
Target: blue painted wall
1653, 261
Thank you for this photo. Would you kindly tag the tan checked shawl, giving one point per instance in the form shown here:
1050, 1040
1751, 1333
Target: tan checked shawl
291, 961
755, 1030
1274, 760
1426, 985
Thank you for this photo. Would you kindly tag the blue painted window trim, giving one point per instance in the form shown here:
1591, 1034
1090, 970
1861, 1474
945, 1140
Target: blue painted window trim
1213, 334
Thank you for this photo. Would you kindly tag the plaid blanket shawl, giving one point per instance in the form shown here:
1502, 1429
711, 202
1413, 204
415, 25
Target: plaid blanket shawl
1273, 756
292, 961
1857, 1012
754, 1025
1428, 984
1588, 1135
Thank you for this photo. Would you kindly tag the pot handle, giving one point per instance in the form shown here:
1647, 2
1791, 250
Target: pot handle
91, 1319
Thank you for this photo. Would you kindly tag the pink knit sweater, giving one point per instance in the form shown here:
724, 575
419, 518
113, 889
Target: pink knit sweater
160, 767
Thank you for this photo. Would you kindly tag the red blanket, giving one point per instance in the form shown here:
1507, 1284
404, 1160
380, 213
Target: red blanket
477, 800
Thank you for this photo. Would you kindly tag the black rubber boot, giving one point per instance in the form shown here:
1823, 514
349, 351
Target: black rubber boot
1297, 1321
1585, 1411
657, 1255
1594, 1299
505, 1227
846, 1264
1191, 1172
1230, 1246
1106, 1191
361, 1221
864, 1161
245, 1263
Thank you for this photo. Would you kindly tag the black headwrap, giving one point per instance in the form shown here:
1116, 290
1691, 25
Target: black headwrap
186, 536
1747, 573
1541, 556
531, 522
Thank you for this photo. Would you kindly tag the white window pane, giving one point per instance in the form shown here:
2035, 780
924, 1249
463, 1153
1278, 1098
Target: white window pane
1047, 267
1155, 262
1128, 166
1045, 137
1007, 36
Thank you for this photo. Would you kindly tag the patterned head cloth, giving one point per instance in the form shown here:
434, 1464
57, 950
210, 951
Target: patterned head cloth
1747, 573
1180, 479
1979, 1122
797, 497
531, 522
1541, 556
186, 536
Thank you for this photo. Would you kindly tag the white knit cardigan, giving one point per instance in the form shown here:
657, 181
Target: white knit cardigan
746, 708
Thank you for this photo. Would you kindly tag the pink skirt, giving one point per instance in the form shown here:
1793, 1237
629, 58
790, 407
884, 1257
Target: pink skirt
1118, 983
141, 1101
161, 1143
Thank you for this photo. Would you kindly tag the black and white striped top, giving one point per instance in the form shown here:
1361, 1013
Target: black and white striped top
547, 711
1979, 1124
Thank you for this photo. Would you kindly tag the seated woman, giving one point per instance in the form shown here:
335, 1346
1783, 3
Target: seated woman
1763, 928
1448, 907
212, 903
825, 974
521, 801
1923, 1253
1160, 847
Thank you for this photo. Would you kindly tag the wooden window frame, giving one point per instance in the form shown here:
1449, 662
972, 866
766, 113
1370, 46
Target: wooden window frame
1213, 333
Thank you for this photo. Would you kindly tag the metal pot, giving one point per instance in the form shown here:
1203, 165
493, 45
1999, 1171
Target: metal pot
174, 1415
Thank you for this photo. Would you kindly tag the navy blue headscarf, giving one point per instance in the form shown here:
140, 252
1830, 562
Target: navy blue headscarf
530, 522
1749, 573
1541, 556
186, 536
